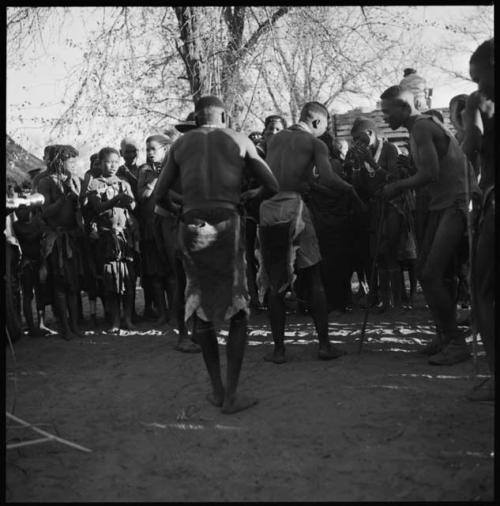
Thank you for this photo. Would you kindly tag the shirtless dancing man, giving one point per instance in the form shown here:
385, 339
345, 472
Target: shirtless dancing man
286, 229
441, 164
210, 161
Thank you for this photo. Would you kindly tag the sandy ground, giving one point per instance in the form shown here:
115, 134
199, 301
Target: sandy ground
380, 426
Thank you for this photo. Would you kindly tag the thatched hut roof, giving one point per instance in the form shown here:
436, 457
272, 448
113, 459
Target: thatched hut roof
19, 162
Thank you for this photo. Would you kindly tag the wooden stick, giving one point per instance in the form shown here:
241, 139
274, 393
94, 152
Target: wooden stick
470, 235
47, 434
27, 443
372, 273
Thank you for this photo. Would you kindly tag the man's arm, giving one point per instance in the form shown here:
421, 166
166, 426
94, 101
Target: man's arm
428, 168
473, 126
259, 169
167, 178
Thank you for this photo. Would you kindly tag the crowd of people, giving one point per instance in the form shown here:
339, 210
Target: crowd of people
217, 223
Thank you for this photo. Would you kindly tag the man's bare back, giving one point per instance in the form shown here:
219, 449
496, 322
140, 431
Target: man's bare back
290, 155
209, 163
293, 153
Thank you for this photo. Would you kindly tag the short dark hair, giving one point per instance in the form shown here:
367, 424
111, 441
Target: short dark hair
364, 123
107, 151
400, 95
274, 117
208, 101
391, 93
484, 54
311, 109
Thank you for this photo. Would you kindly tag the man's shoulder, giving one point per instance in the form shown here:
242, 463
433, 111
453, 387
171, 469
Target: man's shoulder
389, 148
423, 127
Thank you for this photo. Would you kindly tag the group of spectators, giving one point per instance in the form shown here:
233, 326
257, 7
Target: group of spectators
101, 233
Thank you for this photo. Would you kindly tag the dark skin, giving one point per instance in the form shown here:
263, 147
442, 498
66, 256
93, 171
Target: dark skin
209, 162
483, 255
156, 154
29, 235
61, 192
291, 154
124, 200
432, 145
365, 145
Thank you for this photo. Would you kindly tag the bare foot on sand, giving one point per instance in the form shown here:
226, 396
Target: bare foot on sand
128, 325
185, 345
216, 399
276, 356
330, 352
238, 404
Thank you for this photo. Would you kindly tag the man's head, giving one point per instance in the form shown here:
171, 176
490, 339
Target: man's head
128, 150
255, 137
397, 105
365, 131
210, 110
315, 115
61, 159
109, 158
482, 69
272, 125
157, 148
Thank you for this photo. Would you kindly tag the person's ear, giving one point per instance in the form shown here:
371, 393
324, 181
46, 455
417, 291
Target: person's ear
315, 123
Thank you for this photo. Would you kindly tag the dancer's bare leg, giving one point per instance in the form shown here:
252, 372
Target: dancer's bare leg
235, 350
207, 337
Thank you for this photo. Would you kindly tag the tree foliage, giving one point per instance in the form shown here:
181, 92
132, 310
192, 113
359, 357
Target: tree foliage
139, 69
